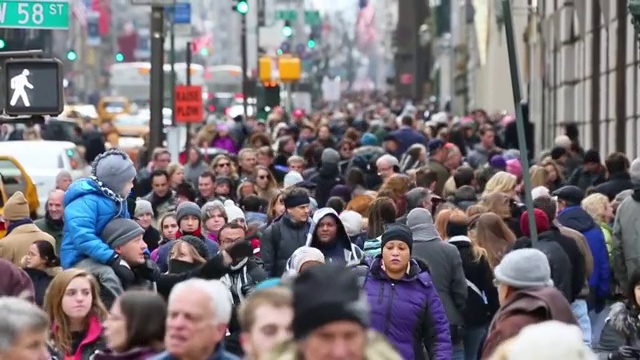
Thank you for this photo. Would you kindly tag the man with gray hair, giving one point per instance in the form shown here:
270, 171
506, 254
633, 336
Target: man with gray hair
634, 171
198, 314
53, 221
387, 166
24, 330
63, 180
416, 198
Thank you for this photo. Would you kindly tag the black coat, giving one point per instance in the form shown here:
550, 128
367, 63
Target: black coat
575, 257
616, 184
326, 179
41, 280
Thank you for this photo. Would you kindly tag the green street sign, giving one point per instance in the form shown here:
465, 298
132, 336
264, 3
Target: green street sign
312, 18
286, 15
28, 14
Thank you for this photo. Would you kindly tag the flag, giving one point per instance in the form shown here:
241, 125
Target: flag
365, 27
79, 11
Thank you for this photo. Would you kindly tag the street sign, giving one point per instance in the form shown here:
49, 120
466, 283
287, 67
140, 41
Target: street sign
290, 15
189, 107
312, 17
33, 87
181, 14
28, 14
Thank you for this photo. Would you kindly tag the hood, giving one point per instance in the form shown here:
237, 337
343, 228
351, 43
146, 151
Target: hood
481, 149
377, 348
622, 319
86, 186
341, 235
252, 216
418, 268
421, 224
576, 218
465, 193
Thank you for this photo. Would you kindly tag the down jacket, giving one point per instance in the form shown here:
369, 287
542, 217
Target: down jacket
407, 312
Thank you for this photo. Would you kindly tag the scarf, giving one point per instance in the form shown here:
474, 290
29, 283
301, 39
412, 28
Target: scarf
236, 279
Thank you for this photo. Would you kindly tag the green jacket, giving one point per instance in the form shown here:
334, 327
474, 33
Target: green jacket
52, 229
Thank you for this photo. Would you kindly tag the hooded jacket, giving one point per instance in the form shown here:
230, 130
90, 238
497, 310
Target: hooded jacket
626, 240
578, 219
408, 312
621, 328
88, 208
341, 249
278, 242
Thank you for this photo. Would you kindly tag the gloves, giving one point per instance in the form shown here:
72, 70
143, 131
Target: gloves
625, 352
214, 268
240, 250
127, 276
148, 271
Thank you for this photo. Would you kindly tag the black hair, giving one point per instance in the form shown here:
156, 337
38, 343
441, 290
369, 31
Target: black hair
145, 313
634, 280
160, 172
47, 253
187, 191
336, 203
230, 225
463, 175
252, 203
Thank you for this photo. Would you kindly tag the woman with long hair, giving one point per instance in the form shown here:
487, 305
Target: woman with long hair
134, 329
492, 234
168, 225
442, 219
396, 187
506, 208
186, 254
555, 177
176, 175
266, 185
42, 265
276, 208
222, 165
76, 313
382, 213
502, 182
539, 176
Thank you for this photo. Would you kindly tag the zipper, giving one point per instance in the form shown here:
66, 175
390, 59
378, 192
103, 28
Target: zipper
388, 319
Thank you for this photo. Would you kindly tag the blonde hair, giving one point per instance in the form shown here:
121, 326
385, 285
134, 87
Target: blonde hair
233, 174
498, 203
442, 219
538, 176
459, 217
172, 168
502, 181
476, 209
178, 246
596, 206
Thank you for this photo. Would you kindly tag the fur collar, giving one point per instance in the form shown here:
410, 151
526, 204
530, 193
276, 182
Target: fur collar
623, 319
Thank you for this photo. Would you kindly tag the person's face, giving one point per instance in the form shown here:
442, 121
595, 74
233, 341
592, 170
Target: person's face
222, 189
278, 207
169, 228
77, 299
503, 293
552, 174
215, 221
160, 185
395, 256
296, 166
272, 327
177, 177
34, 260
228, 237
189, 224
609, 215
133, 251
115, 329
323, 133
223, 167
127, 188
290, 147
306, 133
144, 220
636, 293
63, 183
453, 160
54, 205
327, 229
205, 186
262, 179
338, 340
423, 156
162, 161
346, 152
29, 345
193, 156
390, 145
247, 189
191, 329
264, 160
488, 139
300, 213
385, 170
182, 253
248, 161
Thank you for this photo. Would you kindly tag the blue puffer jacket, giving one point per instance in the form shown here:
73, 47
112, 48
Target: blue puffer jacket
408, 312
88, 207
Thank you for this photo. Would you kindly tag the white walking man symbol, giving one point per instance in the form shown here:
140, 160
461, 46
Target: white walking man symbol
18, 84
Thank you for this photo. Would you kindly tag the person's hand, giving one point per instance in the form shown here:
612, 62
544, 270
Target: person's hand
150, 167
240, 250
625, 352
148, 270
226, 258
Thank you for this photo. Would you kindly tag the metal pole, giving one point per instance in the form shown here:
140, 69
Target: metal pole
188, 74
517, 98
156, 93
243, 54
173, 65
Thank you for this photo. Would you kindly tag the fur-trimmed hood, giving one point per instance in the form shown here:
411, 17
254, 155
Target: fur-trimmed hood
623, 319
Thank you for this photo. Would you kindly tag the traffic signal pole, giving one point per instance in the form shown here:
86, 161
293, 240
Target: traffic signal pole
173, 65
243, 54
156, 94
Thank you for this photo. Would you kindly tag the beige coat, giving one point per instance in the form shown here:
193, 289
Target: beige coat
15, 245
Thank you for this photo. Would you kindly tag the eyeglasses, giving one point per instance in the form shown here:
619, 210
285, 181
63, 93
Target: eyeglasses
223, 165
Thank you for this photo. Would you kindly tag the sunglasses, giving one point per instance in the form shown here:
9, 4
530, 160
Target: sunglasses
223, 165
262, 177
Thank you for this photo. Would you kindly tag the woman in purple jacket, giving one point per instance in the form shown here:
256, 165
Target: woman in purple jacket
405, 306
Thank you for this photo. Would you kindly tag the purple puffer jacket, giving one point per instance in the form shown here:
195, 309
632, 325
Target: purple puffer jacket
408, 312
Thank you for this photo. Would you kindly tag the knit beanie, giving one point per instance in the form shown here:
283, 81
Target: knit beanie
369, 139
352, 222
292, 178
17, 207
397, 232
325, 294
305, 254
185, 209
120, 231
498, 162
143, 207
330, 156
542, 222
514, 167
524, 268
233, 211
197, 244
114, 170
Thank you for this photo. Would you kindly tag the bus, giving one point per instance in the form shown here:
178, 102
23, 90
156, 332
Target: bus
224, 86
133, 80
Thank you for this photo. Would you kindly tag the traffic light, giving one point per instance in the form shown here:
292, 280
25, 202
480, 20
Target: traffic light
287, 30
119, 57
72, 55
271, 94
311, 43
242, 7
2, 44
204, 52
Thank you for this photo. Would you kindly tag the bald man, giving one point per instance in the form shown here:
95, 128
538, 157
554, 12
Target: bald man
52, 223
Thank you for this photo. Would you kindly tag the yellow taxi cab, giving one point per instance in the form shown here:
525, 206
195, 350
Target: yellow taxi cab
3, 200
110, 106
15, 178
131, 125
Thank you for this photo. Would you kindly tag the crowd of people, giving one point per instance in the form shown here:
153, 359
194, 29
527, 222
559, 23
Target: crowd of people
366, 233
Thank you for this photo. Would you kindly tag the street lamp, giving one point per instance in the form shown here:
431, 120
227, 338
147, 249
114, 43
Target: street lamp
634, 10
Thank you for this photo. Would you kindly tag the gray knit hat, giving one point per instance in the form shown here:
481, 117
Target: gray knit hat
143, 207
330, 156
120, 231
114, 169
524, 268
197, 244
185, 209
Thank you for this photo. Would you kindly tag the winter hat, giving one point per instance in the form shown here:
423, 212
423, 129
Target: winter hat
352, 222
420, 222
233, 211
549, 340
185, 209
524, 268
542, 222
305, 254
498, 162
292, 178
120, 231
324, 294
197, 244
511, 154
397, 232
368, 139
330, 156
634, 169
114, 169
143, 207
539, 191
514, 167
341, 191
17, 207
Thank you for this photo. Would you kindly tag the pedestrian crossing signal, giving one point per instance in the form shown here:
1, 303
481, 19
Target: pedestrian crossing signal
2, 44
242, 7
119, 57
287, 30
72, 55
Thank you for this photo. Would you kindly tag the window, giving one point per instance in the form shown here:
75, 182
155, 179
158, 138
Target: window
12, 177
